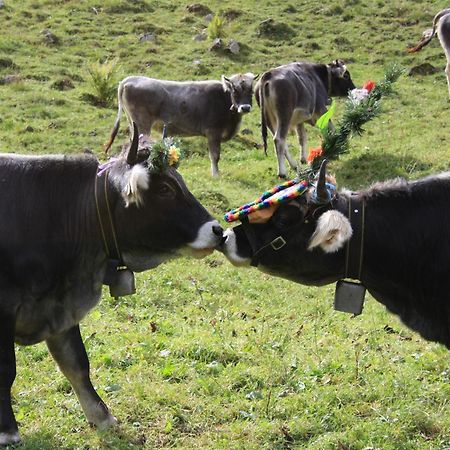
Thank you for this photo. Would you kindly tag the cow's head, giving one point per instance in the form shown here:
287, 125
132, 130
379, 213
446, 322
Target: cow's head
302, 241
240, 87
155, 215
339, 79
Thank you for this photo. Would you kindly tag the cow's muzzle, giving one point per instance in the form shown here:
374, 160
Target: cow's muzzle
244, 109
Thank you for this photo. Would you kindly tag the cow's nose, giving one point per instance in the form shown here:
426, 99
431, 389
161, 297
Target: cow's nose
245, 108
217, 230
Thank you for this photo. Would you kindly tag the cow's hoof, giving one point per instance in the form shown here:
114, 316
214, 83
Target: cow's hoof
282, 176
9, 438
108, 422
303, 160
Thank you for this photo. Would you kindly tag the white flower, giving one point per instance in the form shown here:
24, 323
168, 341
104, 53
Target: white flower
358, 95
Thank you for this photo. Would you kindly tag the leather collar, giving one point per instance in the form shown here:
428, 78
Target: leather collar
354, 253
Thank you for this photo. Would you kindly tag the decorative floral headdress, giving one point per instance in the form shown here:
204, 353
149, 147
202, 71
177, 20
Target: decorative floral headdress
164, 154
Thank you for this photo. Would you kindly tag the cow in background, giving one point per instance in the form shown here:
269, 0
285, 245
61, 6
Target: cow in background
55, 253
441, 27
395, 234
211, 108
294, 94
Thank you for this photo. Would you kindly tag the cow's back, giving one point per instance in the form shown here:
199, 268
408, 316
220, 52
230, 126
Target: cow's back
296, 86
188, 108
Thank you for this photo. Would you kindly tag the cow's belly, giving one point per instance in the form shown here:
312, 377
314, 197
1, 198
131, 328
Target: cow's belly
38, 319
300, 116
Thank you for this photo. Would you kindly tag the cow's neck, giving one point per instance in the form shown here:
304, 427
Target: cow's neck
324, 73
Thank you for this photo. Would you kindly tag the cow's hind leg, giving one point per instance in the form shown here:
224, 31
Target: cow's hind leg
68, 351
214, 154
9, 433
302, 141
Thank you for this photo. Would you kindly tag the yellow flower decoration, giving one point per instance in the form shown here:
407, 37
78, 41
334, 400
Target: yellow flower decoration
174, 155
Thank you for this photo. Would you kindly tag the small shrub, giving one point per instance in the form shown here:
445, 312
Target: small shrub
102, 80
216, 28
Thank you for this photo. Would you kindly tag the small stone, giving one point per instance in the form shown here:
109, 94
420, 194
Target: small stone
147, 37
49, 37
2, 4
234, 47
209, 17
216, 45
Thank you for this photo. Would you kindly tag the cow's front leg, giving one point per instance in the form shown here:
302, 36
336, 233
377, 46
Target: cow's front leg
68, 351
302, 141
9, 433
214, 154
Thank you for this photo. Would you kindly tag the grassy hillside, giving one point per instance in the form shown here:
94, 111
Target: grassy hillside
205, 355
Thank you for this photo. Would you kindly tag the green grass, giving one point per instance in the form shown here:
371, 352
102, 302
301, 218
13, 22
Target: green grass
206, 355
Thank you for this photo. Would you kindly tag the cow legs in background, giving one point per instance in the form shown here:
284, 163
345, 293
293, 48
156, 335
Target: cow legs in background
214, 154
302, 141
282, 149
8, 425
447, 71
68, 351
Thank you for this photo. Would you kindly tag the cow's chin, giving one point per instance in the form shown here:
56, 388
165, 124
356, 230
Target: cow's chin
230, 250
145, 261
197, 253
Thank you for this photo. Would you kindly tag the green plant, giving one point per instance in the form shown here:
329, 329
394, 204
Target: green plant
216, 27
103, 80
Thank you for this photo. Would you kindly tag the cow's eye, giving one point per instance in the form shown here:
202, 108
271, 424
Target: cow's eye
346, 76
166, 190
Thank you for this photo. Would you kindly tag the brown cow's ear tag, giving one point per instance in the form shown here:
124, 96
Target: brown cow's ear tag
349, 297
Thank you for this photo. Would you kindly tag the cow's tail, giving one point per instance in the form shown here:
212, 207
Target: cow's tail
426, 40
263, 92
115, 129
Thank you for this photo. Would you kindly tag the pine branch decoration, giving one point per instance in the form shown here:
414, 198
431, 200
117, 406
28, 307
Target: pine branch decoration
335, 142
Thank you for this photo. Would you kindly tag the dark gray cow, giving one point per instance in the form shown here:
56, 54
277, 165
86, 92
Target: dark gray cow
441, 25
53, 258
293, 94
395, 234
212, 109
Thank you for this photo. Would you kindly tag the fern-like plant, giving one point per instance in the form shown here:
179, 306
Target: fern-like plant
103, 81
216, 28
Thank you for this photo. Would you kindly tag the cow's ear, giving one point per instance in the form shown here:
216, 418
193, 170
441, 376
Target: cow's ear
332, 231
226, 83
136, 182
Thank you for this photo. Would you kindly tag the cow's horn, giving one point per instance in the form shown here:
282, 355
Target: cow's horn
321, 189
132, 152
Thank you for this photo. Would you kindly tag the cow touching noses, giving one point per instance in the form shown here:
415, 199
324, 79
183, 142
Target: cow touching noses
209, 237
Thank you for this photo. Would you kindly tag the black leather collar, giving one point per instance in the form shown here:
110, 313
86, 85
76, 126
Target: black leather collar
354, 254
107, 228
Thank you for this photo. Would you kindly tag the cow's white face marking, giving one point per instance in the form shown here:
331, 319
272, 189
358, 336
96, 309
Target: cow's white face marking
205, 242
230, 249
332, 231
135, 185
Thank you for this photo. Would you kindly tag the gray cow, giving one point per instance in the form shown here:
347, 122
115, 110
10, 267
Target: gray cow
211, 108
66, 226
441, 25
296, 93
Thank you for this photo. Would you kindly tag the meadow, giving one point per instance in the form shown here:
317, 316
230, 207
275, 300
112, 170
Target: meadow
206, 355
